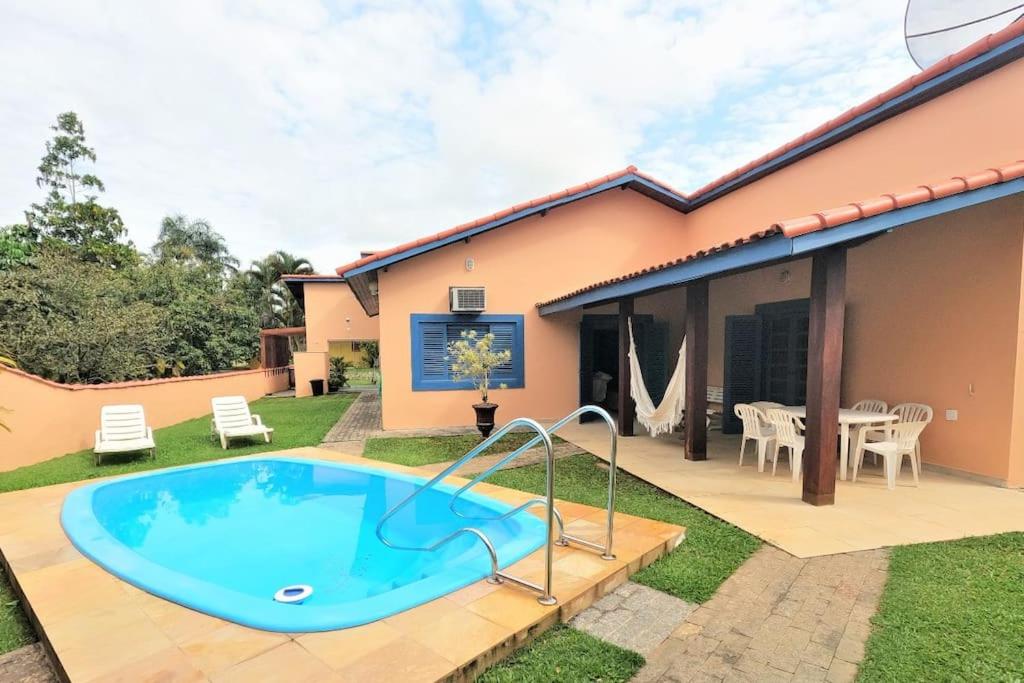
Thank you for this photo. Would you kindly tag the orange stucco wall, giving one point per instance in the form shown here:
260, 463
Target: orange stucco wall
332, 314
965, 130
522, 264
933, 315
49, 419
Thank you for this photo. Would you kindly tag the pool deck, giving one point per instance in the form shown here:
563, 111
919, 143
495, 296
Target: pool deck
96, 627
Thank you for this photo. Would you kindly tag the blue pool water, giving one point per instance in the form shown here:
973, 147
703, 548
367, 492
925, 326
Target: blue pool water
223, 538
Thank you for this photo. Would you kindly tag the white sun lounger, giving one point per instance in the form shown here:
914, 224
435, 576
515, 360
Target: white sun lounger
123, 429
231, 418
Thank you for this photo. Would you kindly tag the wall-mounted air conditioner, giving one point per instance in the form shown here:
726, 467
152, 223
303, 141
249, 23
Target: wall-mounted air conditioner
467, 299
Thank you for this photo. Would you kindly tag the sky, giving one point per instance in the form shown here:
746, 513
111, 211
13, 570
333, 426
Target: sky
326, 128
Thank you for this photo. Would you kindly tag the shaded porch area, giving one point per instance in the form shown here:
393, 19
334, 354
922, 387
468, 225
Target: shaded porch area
865, 515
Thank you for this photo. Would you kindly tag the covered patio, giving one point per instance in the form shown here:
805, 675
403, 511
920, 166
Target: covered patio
865, 515
911, 323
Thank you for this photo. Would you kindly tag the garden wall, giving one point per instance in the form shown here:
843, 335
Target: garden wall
48, 419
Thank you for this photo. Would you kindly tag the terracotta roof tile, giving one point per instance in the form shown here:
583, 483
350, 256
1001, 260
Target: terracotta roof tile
970, 52
834, 217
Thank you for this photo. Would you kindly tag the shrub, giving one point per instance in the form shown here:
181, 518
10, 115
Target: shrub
337, 378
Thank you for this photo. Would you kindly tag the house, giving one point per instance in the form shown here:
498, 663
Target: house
877, 256
336, 326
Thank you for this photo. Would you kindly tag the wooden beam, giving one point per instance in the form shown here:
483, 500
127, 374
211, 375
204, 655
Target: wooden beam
627, 410
696, 442
824, 371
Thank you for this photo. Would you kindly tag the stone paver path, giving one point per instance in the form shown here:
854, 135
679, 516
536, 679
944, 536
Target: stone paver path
778, 618
360, 421
633, 616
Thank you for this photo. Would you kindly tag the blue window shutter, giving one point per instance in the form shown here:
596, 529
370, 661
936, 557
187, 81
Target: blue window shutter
432, 333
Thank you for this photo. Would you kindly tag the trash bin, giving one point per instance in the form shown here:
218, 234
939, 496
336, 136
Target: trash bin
317, 385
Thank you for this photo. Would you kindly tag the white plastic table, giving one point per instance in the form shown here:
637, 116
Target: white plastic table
847, 417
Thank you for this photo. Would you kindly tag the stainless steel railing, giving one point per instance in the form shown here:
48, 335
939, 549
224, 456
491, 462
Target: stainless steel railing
563, 538
497, 576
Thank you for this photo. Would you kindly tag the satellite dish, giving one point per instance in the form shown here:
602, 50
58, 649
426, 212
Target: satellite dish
935, 29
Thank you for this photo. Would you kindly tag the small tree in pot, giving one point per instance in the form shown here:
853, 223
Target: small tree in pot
473, 359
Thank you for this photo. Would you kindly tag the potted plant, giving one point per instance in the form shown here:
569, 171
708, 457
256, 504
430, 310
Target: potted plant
473, 359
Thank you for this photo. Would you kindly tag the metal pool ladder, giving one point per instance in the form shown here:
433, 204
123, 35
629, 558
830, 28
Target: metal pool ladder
543, 436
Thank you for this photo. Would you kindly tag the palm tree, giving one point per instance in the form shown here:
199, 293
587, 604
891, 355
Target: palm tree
278, 308
193, 242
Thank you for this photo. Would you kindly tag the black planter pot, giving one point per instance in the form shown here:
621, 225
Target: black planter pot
485, 417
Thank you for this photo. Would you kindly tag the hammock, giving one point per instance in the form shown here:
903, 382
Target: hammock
662, 419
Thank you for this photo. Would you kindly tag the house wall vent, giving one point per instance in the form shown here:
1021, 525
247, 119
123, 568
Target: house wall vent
467, 299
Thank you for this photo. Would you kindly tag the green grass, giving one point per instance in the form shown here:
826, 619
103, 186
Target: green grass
711, 553
296, 422
951, 612
15, 631
565, 655
427, 450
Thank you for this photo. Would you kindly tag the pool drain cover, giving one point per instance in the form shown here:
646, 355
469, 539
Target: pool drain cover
293, 594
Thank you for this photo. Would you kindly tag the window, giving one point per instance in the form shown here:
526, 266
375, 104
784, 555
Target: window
357, 346
431, 334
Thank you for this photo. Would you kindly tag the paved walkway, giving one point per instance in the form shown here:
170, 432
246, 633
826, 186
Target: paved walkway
778, 618
635, 617
359, 422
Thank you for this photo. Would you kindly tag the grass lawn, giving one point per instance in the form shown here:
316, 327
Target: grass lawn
426, 450
565, 655
296, 422
951, 611
712, 551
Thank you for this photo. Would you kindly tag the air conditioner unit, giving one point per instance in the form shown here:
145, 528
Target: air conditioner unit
467, 299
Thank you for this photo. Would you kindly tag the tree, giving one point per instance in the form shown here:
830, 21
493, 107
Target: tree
277, 307
18, 244
70, 214
193, 242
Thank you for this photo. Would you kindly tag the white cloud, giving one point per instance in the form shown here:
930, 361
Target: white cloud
324, 129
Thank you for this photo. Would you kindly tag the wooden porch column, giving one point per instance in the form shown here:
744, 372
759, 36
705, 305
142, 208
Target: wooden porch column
626, 407
824, 370
696, 442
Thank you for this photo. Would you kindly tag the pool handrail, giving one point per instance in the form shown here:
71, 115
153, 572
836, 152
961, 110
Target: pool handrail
606, 550
497, 576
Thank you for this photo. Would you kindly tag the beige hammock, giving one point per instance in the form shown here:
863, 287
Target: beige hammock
661, 419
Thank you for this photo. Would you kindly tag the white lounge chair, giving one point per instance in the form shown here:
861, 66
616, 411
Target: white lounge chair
231, 419
123, 429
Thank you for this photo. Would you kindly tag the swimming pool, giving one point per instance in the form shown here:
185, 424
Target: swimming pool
223, 538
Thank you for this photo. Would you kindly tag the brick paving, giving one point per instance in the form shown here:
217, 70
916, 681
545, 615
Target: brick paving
634, 616
778, 618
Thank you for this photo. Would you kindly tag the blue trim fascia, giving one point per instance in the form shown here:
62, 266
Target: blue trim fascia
751, 254
778, 247
623, 181
416, 336
942, 83
867, 227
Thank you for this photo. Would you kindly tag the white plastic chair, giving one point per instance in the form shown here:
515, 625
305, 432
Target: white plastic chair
907, 412
868, 405
901, 440
755, 428
231, 419
123, 429
765, 406
787, 435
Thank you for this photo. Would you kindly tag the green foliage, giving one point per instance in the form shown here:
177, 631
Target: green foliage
473, 359
371, 353
18, 245
194, 243
277, 307
337, 378
565, 655
951, 611
297, 422
70, 217
15, 629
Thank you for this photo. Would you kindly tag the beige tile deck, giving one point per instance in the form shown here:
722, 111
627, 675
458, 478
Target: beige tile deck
99, 628
866, 515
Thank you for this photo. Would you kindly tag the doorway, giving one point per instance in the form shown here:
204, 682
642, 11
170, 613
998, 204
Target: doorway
765, 357
599, 359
